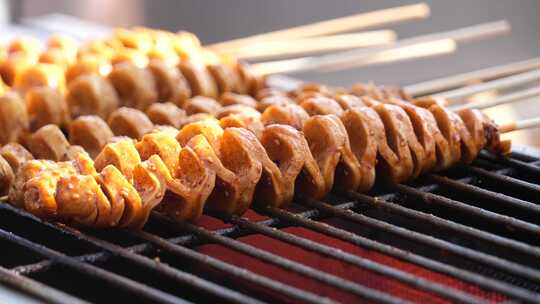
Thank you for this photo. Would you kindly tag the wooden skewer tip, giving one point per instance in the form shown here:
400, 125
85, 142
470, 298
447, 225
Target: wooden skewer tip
529, 123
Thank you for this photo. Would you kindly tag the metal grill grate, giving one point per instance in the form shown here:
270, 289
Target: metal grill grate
476, 227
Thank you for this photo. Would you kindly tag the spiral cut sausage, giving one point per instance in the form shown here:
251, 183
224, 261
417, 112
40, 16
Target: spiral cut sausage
344, 142
203, 165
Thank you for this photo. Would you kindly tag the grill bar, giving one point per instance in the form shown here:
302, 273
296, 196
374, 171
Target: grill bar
234, 271
531, 168
172, 273
36, 289
467, 276
507, 243
470, 210
533, 160
506, 180
234, 231
87, 258
486, 259
357, 261
141, 290
460, 185
364, 292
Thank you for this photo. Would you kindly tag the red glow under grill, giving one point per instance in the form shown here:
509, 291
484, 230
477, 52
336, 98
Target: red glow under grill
329, 265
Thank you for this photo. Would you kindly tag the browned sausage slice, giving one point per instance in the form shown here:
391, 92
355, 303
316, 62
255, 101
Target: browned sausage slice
361, 130
48, 143
15, 154
167, 114
329, 144
400, 166
199, 79
201, 104
229, 98
13, 118
129, 122
224, 77
321, 106
135, 86
276, 100
289, 114
46, 106
91, 132
170, 83
91, 95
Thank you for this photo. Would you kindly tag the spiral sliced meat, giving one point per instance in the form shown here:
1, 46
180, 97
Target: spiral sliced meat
204, 166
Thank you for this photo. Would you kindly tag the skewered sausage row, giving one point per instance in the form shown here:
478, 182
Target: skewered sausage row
93, 94
92, 132
39, 77
226, 168
22, 65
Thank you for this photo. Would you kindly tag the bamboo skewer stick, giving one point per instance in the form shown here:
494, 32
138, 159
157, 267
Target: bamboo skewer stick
344, 24
529, 123
409, 52
347, 59
355, 58
454, 96
398, 54
455, 81
505, 99
311, 45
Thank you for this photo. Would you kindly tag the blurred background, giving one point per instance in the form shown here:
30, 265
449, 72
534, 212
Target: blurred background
215, 21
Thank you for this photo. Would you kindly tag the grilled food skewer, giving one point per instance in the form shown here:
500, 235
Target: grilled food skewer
510, 127
325, 135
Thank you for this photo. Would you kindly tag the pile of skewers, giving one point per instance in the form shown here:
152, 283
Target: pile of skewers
155, 122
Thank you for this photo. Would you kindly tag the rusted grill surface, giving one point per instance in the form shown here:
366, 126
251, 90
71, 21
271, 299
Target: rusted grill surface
469, 235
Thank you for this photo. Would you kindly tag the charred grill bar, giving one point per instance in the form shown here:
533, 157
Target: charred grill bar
462, 229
